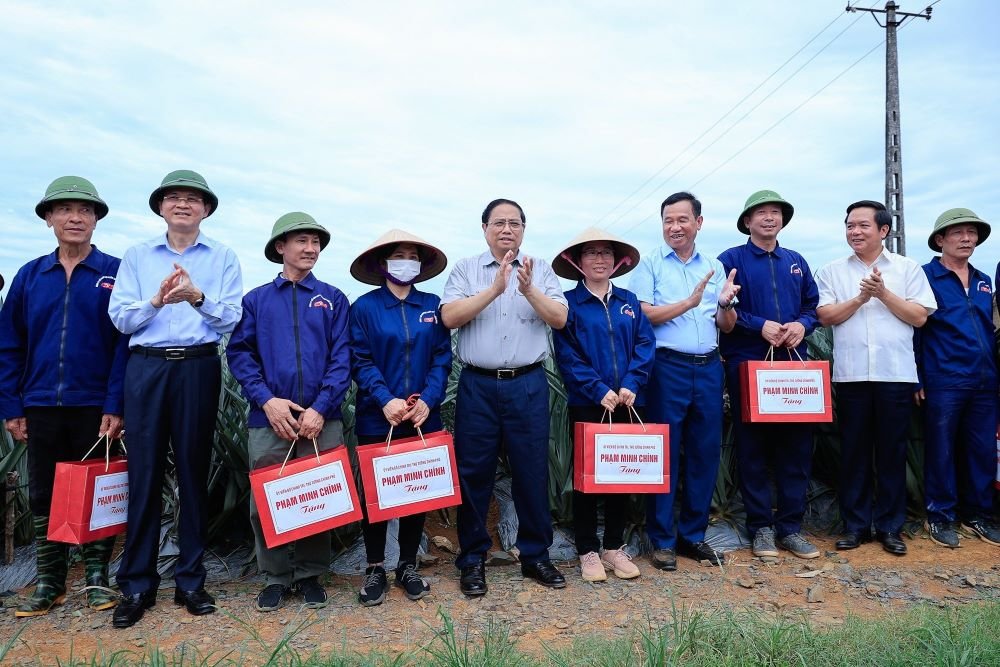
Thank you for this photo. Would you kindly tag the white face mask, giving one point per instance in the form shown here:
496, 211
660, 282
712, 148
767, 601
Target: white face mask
403, 270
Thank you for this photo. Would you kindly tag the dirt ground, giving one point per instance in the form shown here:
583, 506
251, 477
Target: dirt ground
865, 582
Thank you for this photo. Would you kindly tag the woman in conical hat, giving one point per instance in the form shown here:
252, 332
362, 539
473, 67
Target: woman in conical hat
605, 354
401, 359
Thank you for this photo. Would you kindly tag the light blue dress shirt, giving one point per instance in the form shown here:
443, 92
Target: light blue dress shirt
662, 278
213, 268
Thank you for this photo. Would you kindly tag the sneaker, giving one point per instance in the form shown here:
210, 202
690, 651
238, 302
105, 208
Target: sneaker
985, 530
412, 583
591, 568
943, 533
620, 562
374, 587
313, 594
763, 543
799, 546
272, 597
664, 559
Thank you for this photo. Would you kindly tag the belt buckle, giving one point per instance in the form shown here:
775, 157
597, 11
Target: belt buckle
174, 353
506, 373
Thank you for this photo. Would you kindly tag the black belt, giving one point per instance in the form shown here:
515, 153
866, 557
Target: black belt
178, 353
503, 373
696, 359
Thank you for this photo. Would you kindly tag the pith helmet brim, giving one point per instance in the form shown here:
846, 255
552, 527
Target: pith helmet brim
765, 197
294, 222
184, 178
958, 216
71, 188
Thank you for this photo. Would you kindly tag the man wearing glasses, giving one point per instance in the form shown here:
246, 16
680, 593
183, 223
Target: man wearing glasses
176, 294
502, 302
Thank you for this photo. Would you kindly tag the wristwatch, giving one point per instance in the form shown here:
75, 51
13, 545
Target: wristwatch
200, 301
730, 305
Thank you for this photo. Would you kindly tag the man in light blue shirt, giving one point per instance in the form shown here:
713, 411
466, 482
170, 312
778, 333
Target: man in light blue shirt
176, 294
687, 297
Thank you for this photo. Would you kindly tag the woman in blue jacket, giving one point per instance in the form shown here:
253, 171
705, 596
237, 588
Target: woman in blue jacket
605, 354
400, 359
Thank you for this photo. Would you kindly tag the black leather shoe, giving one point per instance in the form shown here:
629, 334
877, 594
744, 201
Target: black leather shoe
473, 580
131, 608
664, 559
545, 573
851, 540
893, 543
699, 551
198, 603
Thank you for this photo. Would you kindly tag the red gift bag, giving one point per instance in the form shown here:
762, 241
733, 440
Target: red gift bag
785, 391
621, 458
89, 498
409, 476
305, 496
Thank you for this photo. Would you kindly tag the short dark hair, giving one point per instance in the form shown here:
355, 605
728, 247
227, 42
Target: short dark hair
679, 197
882, 217
497, 202
387, 251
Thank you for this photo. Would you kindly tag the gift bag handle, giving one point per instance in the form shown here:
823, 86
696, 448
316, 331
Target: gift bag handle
770, 355
630, 416
388, 439
291, 449
107, 449
637, 417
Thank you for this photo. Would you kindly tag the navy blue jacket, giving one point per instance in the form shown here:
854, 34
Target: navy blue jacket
58, 347
954, 349
603, 348
291, 342
398, 348
775, 286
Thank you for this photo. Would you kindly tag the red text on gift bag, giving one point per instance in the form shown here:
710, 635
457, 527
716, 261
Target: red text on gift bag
785, 391
305, 496
621, 458
409, 476
89, 498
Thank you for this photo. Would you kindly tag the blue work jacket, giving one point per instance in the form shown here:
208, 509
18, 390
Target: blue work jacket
398, 348
954, 349
291, 342
604, 346
58, 346
776, 286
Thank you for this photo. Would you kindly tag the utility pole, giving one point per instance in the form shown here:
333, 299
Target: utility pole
893, 147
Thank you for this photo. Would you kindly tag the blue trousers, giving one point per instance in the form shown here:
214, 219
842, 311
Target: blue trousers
513, 414
959, 453
785, 450
687, 396
168, 403
874, 422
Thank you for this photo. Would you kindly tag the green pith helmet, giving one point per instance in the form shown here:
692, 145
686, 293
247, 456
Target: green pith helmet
184, 178
294, 222
958, 216
765, 197
73, 188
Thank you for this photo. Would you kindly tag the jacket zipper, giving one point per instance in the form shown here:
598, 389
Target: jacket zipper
62, 343
298, 350
406, 331
774, 285
611, 342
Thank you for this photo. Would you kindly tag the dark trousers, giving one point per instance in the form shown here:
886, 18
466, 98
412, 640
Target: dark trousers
585, 505
168, 403
411, 527
513, 414
687, 396
784, 448
959, 453
57, 434
874, 423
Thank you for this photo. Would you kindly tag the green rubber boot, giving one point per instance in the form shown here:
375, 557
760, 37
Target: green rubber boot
96, 556
50, 589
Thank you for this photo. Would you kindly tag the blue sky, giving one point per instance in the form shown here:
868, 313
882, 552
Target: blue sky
414, 115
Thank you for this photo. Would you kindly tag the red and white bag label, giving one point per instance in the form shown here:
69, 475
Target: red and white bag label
628, 458
110, 506
791, 391
409, 477
308, 497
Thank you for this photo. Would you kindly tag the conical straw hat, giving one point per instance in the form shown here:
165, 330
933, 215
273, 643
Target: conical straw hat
564, 269
365, 268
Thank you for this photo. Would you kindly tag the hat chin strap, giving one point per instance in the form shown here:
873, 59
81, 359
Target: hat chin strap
626, 260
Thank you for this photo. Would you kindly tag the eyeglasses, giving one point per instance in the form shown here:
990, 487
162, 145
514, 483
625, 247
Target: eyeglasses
593, 253
173, 200
515, 225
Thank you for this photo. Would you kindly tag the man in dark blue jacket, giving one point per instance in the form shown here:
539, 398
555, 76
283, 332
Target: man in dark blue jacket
289, 352
777, 308
62, 364
958, 373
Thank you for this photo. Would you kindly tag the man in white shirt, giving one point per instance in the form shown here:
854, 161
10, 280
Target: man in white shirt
873, 299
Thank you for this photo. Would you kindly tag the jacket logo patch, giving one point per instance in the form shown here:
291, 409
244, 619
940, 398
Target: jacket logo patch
105, 282
429, 317
627, 310
320, 301
984, 286
796, 271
